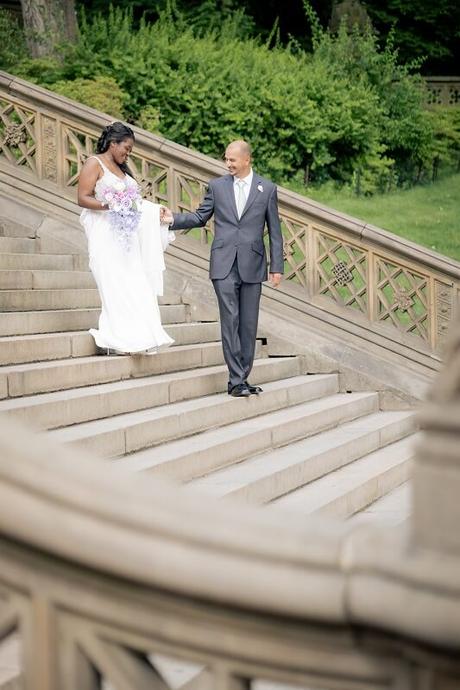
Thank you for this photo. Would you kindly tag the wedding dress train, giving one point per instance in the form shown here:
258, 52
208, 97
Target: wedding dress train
128, 281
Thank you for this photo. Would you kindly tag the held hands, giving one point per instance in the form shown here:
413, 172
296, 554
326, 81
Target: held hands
275, 279
166, 216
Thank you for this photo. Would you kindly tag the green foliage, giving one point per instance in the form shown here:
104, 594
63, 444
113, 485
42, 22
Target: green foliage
444, 146
204, 16
422, 28
400, 118
45, 71
317, 116
12, 42
149, 119
101, 93
348, 111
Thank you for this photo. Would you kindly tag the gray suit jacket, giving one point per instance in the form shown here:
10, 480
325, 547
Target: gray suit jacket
241, 238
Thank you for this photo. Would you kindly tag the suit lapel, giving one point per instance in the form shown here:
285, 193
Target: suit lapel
252, 193
231, 195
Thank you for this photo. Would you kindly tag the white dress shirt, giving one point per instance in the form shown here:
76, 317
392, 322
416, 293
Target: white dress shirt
246, 187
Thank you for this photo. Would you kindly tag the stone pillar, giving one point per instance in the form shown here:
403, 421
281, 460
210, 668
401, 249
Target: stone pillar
436, 516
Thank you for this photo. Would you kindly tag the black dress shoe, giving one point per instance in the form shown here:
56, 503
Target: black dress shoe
240, 391
254, 390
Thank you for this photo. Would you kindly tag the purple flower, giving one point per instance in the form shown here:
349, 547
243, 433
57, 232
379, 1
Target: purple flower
124, 202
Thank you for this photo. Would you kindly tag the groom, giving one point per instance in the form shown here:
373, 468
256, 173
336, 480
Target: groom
242, 203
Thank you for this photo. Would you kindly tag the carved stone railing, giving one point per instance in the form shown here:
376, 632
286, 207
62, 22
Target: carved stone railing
106, 576
388, 286
443, 90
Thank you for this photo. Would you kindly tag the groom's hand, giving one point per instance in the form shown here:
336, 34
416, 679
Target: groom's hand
166, 215
275, 279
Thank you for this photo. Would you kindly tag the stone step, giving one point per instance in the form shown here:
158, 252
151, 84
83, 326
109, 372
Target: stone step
209, 451
32, 322
136, 430
11, 228
194, 332
51, 262
17, 245
45, 377
21, 349
391, 510
271, 475
170, 299
62, 408
45, 280
31, 300
354, 486
51, 321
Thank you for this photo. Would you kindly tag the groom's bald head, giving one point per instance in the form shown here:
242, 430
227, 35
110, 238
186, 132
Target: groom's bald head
243, 147
238, 158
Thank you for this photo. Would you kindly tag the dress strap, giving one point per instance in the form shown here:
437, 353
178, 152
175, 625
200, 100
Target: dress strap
104, 168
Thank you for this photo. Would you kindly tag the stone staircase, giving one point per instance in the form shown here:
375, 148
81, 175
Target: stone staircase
302, 445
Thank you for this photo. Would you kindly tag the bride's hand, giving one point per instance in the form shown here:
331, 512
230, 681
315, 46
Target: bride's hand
166, 215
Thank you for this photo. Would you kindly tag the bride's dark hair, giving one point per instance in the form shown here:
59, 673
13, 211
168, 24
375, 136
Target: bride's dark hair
116, 132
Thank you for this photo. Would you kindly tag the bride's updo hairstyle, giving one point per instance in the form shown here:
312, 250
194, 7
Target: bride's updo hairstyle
116, 132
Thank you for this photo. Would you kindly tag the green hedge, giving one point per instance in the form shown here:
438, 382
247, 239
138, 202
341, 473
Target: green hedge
101, 93
347, 112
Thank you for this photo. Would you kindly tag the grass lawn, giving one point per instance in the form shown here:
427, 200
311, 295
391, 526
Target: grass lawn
428, 215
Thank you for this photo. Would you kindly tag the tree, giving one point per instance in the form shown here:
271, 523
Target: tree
350, 11
422, 29
47, 23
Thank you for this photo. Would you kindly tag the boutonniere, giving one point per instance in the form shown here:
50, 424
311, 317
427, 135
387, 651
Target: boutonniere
260, 188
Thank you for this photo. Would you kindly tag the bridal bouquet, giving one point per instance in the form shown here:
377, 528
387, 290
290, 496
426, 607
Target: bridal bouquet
124, 204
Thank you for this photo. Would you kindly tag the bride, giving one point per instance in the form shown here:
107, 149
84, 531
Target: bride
125, 244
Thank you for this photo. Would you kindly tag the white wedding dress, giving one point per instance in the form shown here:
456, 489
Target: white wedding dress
128, 281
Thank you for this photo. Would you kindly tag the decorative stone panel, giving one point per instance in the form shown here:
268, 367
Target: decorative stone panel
342, 272
295, 235
403, 298
50, 157
17, 135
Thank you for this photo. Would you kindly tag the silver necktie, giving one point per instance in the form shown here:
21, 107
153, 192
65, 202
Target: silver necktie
240, 197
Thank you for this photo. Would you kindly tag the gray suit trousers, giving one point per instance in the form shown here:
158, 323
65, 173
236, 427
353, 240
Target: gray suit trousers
239, 312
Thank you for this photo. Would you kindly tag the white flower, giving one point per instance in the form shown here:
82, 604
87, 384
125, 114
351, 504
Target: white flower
119, 186
260, 188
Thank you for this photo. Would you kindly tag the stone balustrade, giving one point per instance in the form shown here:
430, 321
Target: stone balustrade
116, 577
443, 91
